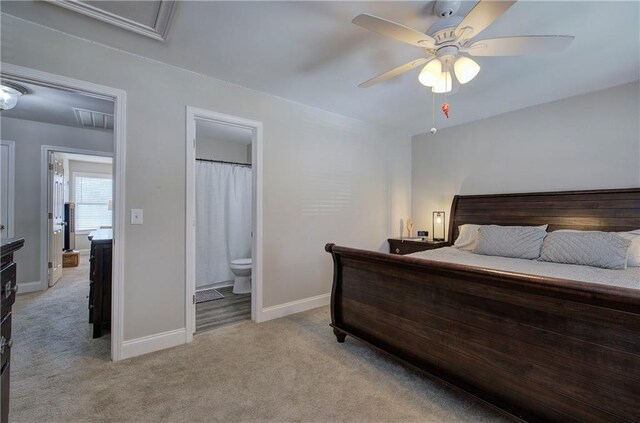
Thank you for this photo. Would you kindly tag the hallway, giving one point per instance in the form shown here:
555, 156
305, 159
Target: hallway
52, 335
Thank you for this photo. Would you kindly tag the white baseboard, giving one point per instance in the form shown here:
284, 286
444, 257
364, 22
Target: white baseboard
84, 252
24, 287
177, 337
152, 343
218, 285
293, 307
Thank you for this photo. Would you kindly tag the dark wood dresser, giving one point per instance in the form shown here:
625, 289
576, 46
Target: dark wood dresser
408, 246
8, 297
100, 280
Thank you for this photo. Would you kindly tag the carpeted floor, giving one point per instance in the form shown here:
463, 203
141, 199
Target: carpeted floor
289, 369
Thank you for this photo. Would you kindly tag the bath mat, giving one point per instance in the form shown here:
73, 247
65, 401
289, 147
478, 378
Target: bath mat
208, 295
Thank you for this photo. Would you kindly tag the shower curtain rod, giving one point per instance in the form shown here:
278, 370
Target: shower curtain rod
223, 162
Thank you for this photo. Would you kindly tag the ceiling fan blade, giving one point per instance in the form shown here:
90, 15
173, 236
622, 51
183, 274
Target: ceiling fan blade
394, 30
481, 16
516, 46
395, 72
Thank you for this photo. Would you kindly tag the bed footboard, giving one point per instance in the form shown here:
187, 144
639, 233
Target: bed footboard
537, 348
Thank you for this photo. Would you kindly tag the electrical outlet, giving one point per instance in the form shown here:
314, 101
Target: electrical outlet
136, 216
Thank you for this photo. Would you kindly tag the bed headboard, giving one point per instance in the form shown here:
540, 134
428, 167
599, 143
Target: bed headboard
597, 210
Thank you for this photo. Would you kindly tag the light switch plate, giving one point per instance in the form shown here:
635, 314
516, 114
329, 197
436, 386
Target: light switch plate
136, 216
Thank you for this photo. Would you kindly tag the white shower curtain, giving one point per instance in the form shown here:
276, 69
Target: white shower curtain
223, 219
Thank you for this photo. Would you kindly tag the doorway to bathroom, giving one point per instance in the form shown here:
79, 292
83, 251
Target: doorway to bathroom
222, 227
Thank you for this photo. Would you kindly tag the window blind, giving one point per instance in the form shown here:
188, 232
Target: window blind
92, 195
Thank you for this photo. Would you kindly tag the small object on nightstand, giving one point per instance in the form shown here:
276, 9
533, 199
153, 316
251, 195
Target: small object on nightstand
408, 246
409, 227
438, 225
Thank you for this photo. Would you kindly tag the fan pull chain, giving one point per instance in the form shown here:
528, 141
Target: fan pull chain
433, 112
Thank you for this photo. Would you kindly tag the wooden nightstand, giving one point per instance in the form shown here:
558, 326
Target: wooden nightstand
406, 246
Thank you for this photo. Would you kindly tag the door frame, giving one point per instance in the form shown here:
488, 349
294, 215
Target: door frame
11, 186
119, 97
194, 114
45, 186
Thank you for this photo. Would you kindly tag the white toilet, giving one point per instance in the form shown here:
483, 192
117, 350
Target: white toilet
241, 268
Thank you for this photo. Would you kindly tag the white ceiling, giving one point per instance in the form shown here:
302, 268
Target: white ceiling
221, 132
311, 53
51, 105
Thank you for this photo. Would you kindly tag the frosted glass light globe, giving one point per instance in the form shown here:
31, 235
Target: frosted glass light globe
430, 73
8, 97
465, 69
444, 84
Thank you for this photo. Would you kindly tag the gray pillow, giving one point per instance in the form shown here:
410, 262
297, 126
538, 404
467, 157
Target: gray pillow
596, 249
510, 241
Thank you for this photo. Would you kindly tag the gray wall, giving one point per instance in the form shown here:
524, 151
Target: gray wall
586, 142
325, 152
228, 151
29, 137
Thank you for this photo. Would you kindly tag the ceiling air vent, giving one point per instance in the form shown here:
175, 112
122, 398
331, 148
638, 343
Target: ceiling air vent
93, 119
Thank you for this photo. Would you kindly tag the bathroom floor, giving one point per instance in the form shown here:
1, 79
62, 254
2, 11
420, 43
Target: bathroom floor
232, 308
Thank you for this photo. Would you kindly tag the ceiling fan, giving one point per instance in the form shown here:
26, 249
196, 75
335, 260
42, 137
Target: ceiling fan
448, 43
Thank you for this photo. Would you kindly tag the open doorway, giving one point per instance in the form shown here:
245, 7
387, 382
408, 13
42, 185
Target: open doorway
80, 202
78, 239
68, 138
223, 224
224, 209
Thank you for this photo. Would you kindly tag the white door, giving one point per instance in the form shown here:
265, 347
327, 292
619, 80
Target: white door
6, 188
56, 217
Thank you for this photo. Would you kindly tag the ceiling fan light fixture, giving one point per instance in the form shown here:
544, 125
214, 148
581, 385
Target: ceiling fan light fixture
9, 94
465, 69
431, 73
444, 84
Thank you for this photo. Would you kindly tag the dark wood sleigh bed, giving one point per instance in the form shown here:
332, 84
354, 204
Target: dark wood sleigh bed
538, 348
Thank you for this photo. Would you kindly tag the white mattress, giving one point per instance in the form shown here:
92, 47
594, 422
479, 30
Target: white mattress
628, 278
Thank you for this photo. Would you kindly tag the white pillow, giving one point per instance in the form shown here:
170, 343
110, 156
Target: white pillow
607, 250
523, 242
467, 237
633, 255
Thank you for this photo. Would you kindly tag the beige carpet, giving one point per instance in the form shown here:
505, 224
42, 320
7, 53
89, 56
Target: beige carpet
290, 369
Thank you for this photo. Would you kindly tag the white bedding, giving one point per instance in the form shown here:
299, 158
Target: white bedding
628, 278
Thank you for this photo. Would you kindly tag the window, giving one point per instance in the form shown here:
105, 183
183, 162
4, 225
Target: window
92, 194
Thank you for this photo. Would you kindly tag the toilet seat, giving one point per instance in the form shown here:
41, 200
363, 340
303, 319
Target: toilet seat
241, 263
